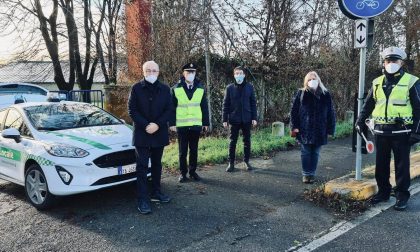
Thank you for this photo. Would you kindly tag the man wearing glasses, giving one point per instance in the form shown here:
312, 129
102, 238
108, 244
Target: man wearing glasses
190, 117
150, 107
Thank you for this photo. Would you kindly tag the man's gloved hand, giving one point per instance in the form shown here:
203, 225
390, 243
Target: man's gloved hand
414, 138
360, 126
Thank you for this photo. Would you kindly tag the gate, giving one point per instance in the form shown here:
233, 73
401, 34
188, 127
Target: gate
95, 97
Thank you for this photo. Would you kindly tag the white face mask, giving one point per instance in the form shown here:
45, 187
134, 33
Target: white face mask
313, 84
392, 68
190, 77
151, 78
239, 78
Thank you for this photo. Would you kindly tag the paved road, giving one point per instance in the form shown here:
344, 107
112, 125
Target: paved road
388, 231
261, 210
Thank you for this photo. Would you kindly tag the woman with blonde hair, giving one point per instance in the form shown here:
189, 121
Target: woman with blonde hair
312, 119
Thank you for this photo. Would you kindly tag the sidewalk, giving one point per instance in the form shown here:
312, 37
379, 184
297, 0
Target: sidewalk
366, 187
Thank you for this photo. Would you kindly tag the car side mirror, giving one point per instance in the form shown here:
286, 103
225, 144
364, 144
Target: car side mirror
11, 133
122, 120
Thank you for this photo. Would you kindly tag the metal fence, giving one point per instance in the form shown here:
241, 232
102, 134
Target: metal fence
95, 97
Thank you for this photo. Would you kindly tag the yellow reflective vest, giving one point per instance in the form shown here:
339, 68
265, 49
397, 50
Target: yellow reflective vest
398, 103
188, 112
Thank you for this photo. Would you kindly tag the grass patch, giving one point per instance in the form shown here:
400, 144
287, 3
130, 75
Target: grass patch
214, 149
343, 129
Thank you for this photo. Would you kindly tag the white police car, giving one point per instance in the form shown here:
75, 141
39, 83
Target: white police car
63, 148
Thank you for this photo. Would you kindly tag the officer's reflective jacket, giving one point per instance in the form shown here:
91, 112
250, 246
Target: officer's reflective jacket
188, 111
394, 97
397, 104
191, 108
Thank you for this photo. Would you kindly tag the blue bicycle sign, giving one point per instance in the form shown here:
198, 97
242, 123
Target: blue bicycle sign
366, 8
367, 3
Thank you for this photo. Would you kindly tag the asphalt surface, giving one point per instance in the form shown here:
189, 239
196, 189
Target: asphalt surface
388, 231
262, 210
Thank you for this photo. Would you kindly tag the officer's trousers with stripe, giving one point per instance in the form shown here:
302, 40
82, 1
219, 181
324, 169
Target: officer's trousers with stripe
400, 147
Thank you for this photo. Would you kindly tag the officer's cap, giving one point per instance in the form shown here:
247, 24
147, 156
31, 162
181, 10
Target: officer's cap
189, 67
393, 53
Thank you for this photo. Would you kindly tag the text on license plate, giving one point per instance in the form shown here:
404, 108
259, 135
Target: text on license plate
126, 169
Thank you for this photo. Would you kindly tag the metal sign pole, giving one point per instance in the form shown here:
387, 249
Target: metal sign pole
359, 109
363, 10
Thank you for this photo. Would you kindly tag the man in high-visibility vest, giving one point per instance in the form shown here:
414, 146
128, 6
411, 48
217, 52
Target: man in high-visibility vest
394, 102
191, 116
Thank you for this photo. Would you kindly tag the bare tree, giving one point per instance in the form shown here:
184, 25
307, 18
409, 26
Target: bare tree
105, 31
58, 27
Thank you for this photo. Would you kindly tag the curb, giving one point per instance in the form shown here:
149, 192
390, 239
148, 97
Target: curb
366, 187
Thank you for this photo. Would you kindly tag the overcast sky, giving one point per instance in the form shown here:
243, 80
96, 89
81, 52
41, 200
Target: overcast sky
7, 46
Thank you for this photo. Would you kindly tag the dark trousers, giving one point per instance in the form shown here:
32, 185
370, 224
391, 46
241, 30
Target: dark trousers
188, 139
246, 134
401, 149
142, 160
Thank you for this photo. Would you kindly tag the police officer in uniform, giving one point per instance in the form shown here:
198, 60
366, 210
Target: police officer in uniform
190, 117
394, 103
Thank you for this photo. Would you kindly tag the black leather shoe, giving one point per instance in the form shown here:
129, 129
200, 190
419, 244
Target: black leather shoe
195, 176
230, 168
182, 179
160, 197
377, 198
400, 205
144, 207
248, 166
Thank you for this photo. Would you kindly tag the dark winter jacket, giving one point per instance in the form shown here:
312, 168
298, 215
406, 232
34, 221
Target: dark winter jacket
150, 103
314, 116
239, 104
389, 82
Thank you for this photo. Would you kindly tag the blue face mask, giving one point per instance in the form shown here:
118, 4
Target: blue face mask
239, 78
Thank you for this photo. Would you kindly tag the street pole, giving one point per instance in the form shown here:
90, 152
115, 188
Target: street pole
359, 109
206, 5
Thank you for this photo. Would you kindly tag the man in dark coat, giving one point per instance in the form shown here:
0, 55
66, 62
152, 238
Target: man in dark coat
190, 116
240, 111
149, 106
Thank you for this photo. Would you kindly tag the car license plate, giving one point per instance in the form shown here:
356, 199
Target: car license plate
126, 169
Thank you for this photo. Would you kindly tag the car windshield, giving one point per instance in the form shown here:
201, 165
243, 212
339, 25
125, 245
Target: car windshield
58, 116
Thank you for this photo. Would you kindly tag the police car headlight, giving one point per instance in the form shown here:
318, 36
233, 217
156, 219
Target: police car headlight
66, 151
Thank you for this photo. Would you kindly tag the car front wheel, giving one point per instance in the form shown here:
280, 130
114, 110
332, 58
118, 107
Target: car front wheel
36, 188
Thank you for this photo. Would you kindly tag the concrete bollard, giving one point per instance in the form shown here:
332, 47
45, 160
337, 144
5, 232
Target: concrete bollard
349, 116
277, 129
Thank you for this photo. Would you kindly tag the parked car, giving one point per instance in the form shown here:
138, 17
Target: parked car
11, 93
63, 148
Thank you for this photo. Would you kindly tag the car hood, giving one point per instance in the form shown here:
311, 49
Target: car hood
88, 138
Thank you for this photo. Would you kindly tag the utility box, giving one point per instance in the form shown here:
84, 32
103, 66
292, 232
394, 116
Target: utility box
277, 129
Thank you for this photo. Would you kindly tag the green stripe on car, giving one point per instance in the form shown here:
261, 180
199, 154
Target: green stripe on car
83, 140
38, 159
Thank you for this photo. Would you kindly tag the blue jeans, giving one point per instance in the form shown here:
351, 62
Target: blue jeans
309, 155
